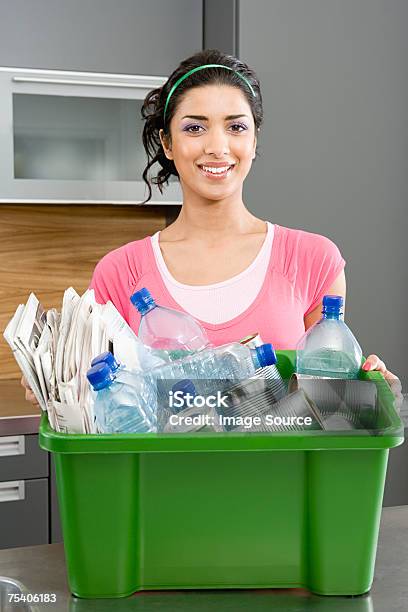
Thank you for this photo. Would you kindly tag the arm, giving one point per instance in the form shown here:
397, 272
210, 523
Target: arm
337, 288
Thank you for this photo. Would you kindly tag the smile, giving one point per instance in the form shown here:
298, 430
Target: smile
216, 173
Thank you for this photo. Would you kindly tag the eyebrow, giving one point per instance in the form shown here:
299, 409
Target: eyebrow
204, 118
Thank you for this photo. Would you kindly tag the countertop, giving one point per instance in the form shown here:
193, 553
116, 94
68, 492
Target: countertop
42, 570
17, 416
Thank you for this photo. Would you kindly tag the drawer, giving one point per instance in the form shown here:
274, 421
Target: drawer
21, 458
24, 519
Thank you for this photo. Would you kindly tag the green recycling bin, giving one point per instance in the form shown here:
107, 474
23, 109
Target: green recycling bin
224, 510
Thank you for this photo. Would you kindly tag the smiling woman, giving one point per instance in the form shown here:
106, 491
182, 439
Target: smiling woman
235, 273
211, 152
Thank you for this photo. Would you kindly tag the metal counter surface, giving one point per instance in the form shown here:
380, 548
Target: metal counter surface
42, 570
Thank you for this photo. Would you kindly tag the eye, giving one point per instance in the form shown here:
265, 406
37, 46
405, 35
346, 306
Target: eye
239, 127
193, 128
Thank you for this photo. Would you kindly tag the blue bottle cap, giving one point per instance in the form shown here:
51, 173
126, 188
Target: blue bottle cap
333, 303
143, 300
100, 376
266, 355
186, 386
107, 358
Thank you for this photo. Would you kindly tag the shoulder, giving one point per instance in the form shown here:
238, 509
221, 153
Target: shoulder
311, 262
119, 271
130, 259
304, 242
300, 250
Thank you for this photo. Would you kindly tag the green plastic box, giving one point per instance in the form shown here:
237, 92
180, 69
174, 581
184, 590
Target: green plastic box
215, 510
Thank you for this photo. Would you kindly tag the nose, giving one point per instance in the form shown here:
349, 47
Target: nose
216, 143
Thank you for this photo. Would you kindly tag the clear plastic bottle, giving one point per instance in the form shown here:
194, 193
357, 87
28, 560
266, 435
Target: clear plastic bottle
133, 378
213, 369
119, 408
170, 333
269, 375
329, 349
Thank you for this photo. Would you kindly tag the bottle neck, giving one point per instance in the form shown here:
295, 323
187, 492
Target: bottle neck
255, 359
336, 315
104, 385
147, 309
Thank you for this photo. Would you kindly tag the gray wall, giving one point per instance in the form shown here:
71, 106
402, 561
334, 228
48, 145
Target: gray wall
334, 146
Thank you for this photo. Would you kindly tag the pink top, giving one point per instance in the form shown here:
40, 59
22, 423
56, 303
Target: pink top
302, 267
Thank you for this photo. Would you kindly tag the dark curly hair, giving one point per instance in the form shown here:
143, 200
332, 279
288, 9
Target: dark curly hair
154, 103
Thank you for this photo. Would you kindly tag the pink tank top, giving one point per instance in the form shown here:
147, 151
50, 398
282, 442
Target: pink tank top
302, 268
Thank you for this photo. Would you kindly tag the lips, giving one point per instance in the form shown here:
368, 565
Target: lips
220, 171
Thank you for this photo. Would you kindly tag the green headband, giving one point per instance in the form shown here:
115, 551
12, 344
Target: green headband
181, 79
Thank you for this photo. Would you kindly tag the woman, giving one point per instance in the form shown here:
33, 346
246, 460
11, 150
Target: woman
235, 273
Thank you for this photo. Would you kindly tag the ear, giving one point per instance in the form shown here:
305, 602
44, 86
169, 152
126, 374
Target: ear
254, 149
166, 144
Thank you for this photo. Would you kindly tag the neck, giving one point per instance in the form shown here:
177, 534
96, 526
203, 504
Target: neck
210, 220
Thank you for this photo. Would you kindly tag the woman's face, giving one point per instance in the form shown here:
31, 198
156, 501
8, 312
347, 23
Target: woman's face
212, 141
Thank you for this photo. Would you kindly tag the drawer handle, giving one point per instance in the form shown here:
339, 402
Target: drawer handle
14, 490
12, 445
79, 82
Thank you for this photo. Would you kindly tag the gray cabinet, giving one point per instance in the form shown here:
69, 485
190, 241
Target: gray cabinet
125, 36
24, 499
24, 513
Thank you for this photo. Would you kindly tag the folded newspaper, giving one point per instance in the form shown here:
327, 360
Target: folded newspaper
54, 351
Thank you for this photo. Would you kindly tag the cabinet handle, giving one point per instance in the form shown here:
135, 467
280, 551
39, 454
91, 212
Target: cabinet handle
14, 490
73, 82
12, 445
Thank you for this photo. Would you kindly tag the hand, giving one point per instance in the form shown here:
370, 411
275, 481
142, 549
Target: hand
373, 362
29, 395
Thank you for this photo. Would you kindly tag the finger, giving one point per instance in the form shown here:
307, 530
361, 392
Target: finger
391, 375
23, 382
370, 363
373, 362
395, 384
30, 397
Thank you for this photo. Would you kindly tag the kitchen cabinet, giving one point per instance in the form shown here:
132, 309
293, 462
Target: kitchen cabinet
126, 36
75, 137
24, 483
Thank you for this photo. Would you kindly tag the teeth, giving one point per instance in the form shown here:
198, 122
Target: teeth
216, 170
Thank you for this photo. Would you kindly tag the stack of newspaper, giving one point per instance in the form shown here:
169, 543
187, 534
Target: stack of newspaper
54, 351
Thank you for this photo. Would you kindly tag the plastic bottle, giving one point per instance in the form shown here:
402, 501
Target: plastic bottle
119, 408
269, 375
212, 369
132, 378
329, 349
170, 333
